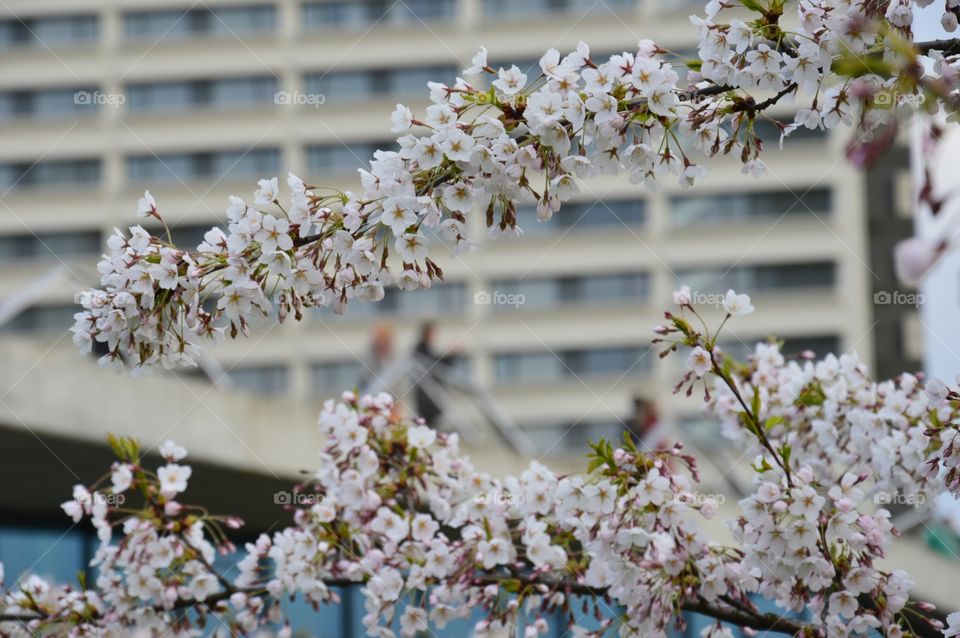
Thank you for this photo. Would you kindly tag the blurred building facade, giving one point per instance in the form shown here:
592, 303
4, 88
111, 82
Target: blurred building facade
195, 101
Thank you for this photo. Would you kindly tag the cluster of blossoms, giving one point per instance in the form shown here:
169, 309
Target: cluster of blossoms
829, 444
498, 139
396, 510
161, 564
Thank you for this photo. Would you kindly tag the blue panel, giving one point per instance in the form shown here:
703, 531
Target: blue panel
54, 554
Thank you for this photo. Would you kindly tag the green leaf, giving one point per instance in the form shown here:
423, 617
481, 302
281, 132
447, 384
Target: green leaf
785, 454
855, 65
753, 5
763, 467
772, 422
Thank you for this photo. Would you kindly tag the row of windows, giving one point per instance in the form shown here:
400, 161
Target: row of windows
820, 345
49, 172
218, 93
583, 215
262, 19
49, 244
537, 367
260, 90
766, 278
451, 298
534, 8
56, 102
176, 23
48, 31
534, 293
368, 83
504, 294
46, 318
441, 298
224, 93
688, 210
217, 164
358, 14
547, 367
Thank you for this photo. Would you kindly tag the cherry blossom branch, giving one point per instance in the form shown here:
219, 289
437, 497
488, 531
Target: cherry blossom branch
494, 146
948, 47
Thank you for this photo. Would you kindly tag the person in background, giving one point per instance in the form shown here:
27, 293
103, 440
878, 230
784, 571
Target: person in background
645, 425
380, 356
432, 364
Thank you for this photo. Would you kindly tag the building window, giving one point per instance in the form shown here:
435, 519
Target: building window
546, 367
54, 31
49, 173
361, 14
820, 345
531, 294
585, 215
226, 93
343, 158
46, 103
265, 379
769, 133
688, 210
572, 438
761, 278
365, 83
188, 235
49, 245
217, 165
336, 376
42, 318
439, 299
502, 9
201, 21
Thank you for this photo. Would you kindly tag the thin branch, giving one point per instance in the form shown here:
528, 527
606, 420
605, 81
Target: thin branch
948, 47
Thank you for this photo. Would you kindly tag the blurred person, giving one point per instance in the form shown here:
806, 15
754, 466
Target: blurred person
380, 356
645, 425
433, 364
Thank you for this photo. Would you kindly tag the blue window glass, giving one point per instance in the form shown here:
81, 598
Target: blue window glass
52, 32
49, 173
200, 21
361, 14
49, 245
691, 209
221, 165
582, 216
